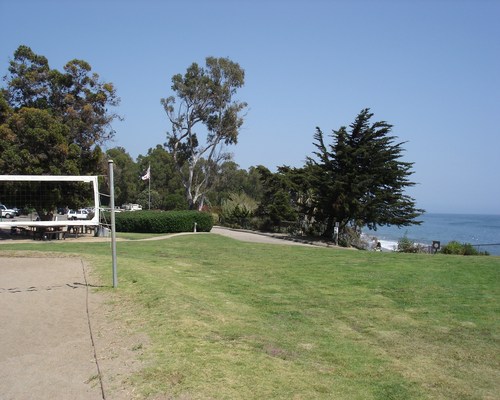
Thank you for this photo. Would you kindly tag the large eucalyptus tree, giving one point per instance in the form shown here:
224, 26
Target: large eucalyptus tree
205, 119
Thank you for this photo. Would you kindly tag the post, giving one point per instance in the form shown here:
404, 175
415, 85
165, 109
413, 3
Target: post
336, 232
113, 230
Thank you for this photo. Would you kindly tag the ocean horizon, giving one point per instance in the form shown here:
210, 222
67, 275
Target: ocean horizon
480, 230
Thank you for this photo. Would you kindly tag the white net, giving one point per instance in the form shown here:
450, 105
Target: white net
50, 201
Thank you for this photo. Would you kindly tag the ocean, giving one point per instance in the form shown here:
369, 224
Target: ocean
482, 231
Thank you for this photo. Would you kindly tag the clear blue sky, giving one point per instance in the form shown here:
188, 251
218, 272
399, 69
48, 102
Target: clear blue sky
429, 67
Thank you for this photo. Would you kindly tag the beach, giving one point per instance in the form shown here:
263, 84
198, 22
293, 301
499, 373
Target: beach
482, 231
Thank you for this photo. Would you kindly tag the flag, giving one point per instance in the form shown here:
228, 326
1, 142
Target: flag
147, 175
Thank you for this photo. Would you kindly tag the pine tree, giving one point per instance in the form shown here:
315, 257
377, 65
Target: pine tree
360, 179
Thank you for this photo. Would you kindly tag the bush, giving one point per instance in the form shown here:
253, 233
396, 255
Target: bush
463, 249
163, 221
237, 210
406, 245
351, 237
452, 247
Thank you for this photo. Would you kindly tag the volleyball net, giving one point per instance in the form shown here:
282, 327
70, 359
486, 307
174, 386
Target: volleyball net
49, 200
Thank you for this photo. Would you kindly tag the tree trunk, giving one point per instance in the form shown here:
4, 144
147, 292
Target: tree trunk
45, 216
328, 233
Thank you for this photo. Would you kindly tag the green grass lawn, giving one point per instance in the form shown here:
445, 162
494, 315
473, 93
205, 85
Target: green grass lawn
234, 320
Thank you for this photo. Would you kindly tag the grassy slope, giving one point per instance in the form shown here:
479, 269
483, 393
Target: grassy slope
233, 320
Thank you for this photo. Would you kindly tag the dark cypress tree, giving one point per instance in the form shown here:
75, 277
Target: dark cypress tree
278, 204
359, 179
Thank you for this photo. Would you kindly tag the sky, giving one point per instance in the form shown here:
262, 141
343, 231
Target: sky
431, 68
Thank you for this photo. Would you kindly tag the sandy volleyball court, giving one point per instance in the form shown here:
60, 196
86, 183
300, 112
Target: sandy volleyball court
59, 338
46, 349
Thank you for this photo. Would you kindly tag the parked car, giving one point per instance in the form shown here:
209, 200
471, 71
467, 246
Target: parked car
7, 212
132, 207
80, 214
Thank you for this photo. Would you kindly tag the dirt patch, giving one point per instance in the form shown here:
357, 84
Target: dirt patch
59, 337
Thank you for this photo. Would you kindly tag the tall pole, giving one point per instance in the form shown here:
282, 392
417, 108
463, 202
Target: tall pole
113, 230
149, 181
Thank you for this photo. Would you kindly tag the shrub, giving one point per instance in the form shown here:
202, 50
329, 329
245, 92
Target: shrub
237, 211
163, 221
452, 247
463, 249
351, 237
406, 245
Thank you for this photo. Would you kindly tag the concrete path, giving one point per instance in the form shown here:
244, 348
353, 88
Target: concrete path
256, 237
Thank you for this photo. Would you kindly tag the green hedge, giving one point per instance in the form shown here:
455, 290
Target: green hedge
162, 221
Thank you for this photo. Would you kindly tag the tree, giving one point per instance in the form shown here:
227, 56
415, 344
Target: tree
33, 142
230, 179
54, 122
278, 205
76, 99
165, 180
204, 119
29, 83
360, 179
126, 174
83, 102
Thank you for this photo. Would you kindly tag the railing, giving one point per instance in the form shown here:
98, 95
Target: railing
488, 245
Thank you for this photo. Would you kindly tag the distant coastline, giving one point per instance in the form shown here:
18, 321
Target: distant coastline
476, 229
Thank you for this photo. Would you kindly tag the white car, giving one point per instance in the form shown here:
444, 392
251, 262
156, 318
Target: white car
7, 212
80, 214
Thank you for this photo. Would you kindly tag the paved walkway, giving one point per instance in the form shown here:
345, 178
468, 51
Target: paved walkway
258, 237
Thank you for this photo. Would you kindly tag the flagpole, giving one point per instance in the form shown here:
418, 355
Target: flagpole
147, 176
